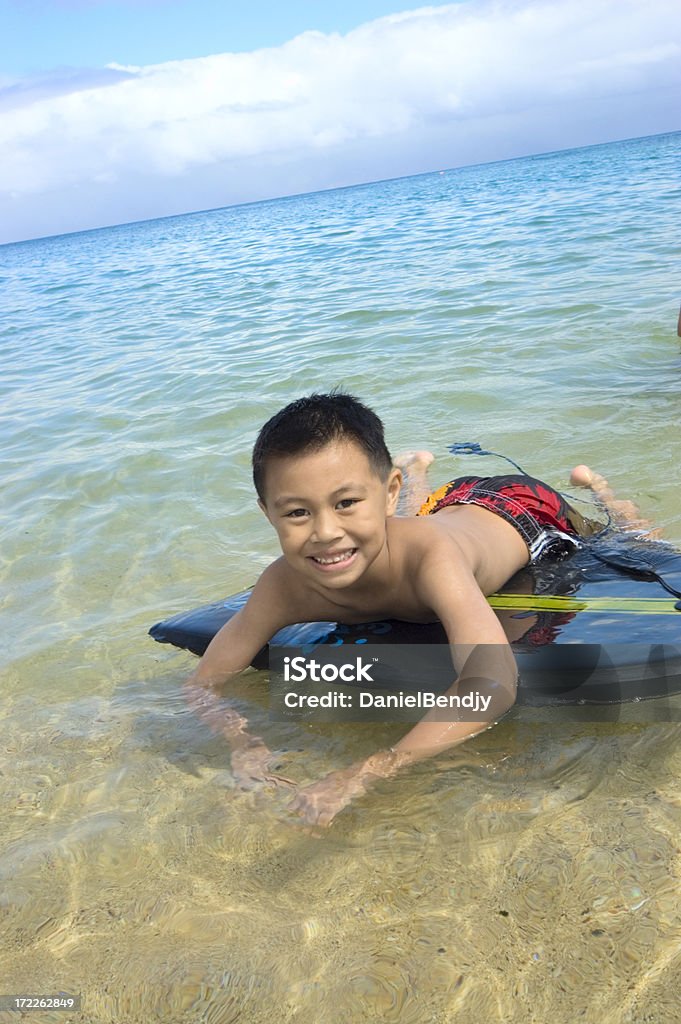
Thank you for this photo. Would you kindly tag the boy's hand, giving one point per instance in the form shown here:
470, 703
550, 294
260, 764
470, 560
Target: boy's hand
320, 802
250, 766
250, 756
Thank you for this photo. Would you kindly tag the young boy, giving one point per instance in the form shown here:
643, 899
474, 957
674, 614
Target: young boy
327, 484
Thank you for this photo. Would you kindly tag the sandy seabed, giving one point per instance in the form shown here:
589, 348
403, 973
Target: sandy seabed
533, 878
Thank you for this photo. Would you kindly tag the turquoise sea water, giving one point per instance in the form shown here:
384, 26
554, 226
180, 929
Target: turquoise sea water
530, 305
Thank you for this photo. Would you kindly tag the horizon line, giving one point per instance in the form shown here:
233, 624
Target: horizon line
333, 188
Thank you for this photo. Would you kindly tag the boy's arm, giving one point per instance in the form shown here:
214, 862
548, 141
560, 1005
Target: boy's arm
229, 653
484, 661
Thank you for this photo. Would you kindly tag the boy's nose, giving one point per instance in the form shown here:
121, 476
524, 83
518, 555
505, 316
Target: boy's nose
327, 528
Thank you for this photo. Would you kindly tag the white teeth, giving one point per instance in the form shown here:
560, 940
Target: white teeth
336, 558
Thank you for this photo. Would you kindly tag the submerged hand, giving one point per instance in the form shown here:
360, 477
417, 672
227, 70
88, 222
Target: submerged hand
320, 802
250, 766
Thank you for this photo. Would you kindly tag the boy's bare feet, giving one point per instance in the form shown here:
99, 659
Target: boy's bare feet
414, 466
582, 476
414, 462
624, 513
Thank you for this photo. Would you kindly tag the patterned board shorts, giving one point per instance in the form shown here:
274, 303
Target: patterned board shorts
542, 517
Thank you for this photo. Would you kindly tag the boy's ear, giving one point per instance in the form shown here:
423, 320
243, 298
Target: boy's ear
395, 481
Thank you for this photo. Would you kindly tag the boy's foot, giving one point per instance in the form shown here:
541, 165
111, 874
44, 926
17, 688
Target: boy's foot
584, 476
625, 513
581, 476
413, 463
414, 466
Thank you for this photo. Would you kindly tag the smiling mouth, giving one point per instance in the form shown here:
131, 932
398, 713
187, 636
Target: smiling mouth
340, 558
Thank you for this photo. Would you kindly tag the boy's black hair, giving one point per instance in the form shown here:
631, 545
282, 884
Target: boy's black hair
310, 423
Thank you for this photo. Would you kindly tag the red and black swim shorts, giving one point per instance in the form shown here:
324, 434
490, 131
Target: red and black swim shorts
539, 513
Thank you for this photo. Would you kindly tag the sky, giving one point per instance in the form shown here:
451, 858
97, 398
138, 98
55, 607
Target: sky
121, 110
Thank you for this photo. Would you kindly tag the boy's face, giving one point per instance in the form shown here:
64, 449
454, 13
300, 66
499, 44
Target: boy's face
329, 509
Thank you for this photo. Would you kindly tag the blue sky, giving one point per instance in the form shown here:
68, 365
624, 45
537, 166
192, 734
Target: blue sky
41, 34
113, 110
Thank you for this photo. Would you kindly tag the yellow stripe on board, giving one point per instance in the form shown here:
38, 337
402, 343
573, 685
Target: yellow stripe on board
551, 603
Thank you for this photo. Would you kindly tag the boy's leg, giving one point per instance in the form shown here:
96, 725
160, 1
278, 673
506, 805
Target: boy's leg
414, 466
624, 513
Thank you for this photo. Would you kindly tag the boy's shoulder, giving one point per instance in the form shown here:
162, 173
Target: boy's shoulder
424, 538
467, 540
422, 551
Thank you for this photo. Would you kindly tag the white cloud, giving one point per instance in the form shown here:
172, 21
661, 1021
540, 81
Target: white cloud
400, 75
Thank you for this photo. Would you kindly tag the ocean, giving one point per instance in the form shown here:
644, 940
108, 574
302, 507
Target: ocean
529, 305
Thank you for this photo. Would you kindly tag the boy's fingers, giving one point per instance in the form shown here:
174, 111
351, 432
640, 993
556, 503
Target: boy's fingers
251, 781
310, 813
278, 780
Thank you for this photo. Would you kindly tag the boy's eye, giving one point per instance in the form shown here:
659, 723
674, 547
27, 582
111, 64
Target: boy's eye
296, 513
347, 502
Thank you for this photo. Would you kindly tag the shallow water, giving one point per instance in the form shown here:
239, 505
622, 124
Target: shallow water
529, 305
